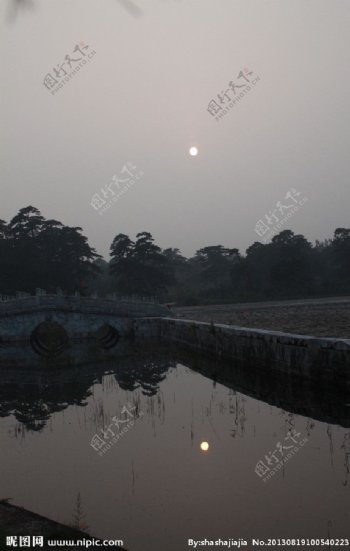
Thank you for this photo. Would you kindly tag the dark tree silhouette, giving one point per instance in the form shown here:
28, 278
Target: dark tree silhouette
139, 267
35, 252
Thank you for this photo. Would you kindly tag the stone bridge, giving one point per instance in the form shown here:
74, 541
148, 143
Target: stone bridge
49, 322
54, 330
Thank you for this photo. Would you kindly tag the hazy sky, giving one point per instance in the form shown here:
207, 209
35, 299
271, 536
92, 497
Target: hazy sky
143, 98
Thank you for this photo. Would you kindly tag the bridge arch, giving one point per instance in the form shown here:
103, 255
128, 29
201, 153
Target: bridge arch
107, 336
49, 339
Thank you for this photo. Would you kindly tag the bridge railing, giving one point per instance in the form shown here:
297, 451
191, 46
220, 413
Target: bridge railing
9, 298
132, 298
111, 296
125, 306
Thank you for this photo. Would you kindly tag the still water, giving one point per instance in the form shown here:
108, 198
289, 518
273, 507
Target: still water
184, 467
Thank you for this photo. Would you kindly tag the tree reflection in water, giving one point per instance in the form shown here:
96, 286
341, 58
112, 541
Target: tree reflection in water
37, 395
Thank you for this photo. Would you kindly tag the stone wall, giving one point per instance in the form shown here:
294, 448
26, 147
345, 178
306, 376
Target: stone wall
327, 360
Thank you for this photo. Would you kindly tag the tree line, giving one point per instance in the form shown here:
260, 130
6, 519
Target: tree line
35, 252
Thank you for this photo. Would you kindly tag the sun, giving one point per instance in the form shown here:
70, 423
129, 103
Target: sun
204, 446
193, 151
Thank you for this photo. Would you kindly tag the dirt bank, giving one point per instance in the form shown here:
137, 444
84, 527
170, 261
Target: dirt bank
324, 318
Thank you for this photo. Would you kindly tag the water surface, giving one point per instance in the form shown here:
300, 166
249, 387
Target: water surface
155, 487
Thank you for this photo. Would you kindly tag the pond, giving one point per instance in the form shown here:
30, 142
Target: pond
157, 449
